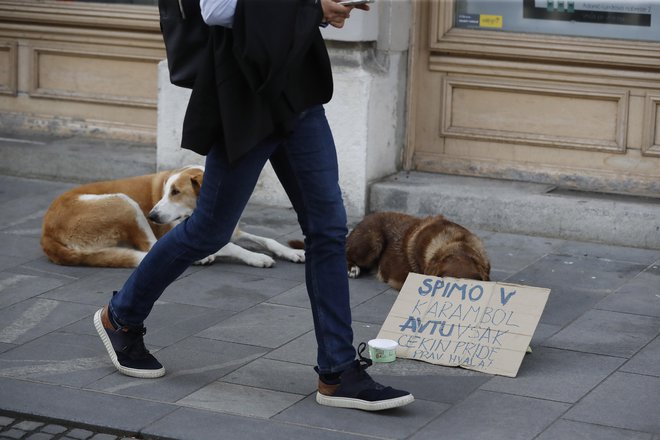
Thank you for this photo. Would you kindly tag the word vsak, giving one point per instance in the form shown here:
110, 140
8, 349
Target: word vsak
443, 329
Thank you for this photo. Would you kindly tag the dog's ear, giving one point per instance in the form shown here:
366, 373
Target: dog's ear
196, 182
457, 266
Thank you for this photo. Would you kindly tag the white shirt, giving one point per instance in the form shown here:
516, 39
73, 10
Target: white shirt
218, 12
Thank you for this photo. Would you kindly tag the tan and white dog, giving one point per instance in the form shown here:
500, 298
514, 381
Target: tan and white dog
115, 223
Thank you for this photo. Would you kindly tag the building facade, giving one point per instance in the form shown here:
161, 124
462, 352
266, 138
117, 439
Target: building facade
564, 92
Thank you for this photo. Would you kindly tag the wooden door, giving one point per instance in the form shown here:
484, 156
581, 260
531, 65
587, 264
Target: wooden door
580, 113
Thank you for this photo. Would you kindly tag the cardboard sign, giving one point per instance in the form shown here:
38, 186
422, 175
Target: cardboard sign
478, 325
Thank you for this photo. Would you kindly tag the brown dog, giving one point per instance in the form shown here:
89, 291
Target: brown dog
115, 223
398, 243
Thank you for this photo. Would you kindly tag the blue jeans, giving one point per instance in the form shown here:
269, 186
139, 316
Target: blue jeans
306, 164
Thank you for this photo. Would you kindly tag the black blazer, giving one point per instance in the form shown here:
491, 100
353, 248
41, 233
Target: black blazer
258, 76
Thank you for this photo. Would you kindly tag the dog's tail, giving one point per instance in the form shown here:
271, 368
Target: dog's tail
296, 244
100, 257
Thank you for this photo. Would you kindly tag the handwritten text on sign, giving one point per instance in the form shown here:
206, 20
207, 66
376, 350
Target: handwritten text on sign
479, 325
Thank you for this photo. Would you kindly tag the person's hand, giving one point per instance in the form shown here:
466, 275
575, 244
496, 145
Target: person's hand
336, 14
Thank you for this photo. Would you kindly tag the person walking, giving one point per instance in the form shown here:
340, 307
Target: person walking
259, 97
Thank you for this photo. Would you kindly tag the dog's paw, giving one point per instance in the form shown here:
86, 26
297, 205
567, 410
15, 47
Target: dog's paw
353, 272
295, 255
260, 260
205, 261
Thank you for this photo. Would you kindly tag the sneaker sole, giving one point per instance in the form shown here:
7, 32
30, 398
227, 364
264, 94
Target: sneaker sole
347, 402
143, 374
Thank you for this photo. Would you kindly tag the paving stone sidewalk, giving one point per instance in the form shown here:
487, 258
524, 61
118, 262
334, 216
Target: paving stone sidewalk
20, 427
239, 348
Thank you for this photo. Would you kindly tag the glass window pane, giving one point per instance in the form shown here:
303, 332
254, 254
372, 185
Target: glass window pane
623, 19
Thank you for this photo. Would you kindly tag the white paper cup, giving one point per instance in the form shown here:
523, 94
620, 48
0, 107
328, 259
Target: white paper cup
382, 350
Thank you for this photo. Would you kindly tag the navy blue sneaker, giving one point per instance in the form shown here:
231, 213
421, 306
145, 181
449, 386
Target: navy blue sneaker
126, 348
354, 388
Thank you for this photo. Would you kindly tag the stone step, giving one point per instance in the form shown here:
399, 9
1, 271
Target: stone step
523, 208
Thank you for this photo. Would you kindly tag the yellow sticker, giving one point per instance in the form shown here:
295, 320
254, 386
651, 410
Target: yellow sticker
490, 21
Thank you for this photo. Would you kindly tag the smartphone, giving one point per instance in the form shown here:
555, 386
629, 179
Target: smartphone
355, 2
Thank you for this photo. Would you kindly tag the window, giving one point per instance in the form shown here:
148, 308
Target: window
613, 19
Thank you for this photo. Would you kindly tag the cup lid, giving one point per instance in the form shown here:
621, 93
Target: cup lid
383, 344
